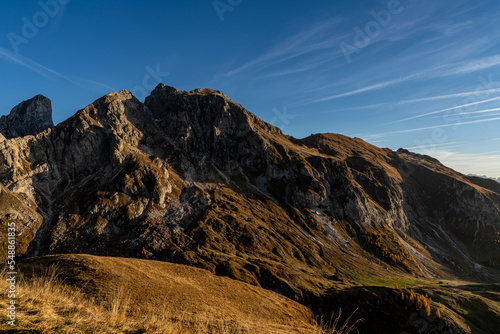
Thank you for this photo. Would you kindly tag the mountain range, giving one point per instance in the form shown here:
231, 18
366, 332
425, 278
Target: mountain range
193, 178
485, 177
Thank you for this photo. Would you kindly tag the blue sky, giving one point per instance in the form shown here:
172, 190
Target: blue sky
424, 75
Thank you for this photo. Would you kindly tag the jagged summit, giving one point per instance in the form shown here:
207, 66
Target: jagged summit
421, 156
205, 120
27, 118
197, 91
204, 105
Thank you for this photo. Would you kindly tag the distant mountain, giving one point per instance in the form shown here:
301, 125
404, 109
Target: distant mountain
194, 178
485, 177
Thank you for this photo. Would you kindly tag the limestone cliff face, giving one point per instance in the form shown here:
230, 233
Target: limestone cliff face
193, 177
17, 201
28, 118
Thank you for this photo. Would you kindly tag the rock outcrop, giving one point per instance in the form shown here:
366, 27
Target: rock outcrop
27, 118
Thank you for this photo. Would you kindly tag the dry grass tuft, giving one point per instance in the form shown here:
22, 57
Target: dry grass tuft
47, 305
336, 326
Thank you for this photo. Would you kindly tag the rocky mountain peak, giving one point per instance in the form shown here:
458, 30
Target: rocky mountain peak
210, 127
202, 110
27, 118
111, 110
421, 156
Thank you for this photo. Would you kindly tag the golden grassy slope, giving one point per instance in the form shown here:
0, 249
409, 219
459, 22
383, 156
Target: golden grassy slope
89, 294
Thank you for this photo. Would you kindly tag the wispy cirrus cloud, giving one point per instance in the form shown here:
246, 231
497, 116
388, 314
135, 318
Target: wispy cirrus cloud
462, 106
297, 69
451, 96
423, 99
475, 65
477, 163
464, 67
47, 72
440, 146
368, 106
495, 118
476, 113
313, 39
368, 88
25, 62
